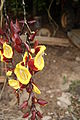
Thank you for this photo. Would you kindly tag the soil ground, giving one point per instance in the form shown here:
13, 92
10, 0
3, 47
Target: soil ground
62, 66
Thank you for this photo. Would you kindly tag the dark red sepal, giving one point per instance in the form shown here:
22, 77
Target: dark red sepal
18, 48
31, 65
24, 105
41, 102
35, 43
16, 39
1, 32
37, 49
26, 115
39, 114
33, 115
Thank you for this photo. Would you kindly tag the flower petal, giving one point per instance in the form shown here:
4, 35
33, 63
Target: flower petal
35, 89
22, 74
14, 84
9, 73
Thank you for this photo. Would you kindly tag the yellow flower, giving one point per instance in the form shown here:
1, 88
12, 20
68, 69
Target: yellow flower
38, 60
9, 73
7, 51
35, 89
22, 73
14, 84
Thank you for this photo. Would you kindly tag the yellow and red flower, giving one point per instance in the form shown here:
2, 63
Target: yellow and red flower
37, 63
7, 50
22, 73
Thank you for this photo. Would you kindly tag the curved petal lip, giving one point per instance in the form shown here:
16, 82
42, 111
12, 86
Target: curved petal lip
22, 74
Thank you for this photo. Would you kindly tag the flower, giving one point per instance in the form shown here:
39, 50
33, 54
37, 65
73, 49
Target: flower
38, 60
22, 73
35, 89
7, 51
9, 73
14, 83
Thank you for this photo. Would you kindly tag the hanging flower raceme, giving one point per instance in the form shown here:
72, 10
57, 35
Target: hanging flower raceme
20, 76
22, 73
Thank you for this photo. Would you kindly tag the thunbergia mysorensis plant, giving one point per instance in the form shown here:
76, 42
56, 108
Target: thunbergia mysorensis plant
20, 76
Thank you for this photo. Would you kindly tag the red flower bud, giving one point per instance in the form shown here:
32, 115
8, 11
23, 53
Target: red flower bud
26, 115
18, 48
1, 32
16, 39
41, 102
33, 115
24, 105
34, 99
35, 43
39, 114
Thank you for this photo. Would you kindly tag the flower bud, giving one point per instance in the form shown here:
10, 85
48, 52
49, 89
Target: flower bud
33, 115
41, 102
26, 115
34, 99
24, 105
39, 114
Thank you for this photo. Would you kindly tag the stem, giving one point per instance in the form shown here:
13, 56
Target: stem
3, 88
25, 21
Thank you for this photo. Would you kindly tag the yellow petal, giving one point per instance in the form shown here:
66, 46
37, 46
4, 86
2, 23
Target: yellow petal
22, 73
9, 73
26, 56
14, 84
35, 89
38, 60
1, 56
7, 51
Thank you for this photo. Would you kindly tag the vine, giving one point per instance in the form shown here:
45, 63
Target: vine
20, 76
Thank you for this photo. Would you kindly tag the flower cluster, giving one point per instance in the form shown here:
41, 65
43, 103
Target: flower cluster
20, 76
